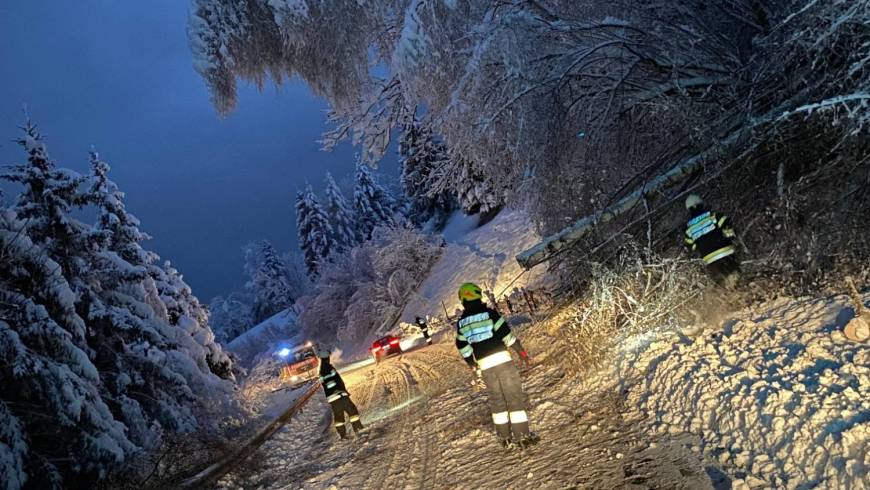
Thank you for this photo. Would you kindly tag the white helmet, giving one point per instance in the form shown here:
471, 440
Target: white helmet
693, 200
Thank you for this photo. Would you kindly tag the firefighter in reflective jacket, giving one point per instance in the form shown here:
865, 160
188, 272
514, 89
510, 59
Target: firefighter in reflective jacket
482, 338
338, 397
424, 329
711, 236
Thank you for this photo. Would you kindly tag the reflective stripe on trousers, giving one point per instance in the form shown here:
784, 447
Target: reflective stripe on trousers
518, 416
500, 418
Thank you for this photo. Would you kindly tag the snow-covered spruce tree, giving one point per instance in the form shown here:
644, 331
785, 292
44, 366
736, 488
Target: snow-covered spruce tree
144, 361
163, 289
268, 282
192, 333
47, 197
54, 419
476, 192
340, 217
419, 156
373, 205
83, 353
314, 230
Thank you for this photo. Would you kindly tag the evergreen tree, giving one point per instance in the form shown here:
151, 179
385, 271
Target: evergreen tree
268, 284
121, 228
476, 193
54, 420
92, 374
184, 311
373, 205
340, 217
314, 230
48, 194
419, 156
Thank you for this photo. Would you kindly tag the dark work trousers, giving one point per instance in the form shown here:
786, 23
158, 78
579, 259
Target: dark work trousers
339, 408
426, 335
507, 402
725, 271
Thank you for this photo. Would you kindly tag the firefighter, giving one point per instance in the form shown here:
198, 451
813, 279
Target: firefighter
711, 236
424, 328
338, 397
482, 338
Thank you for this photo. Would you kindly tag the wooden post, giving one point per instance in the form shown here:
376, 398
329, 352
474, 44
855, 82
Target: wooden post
446, 315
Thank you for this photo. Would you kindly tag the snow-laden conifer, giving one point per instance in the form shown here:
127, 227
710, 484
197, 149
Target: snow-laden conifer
372, 204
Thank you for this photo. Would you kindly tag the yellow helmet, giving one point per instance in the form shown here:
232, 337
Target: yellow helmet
469, 292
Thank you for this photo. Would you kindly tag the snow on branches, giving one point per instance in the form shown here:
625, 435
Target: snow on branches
102, 351
360, 292
341, 218
315, 232
269, 282
373, 205
420, 157
537, 97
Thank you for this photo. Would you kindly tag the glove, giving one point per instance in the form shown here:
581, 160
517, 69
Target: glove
525, 360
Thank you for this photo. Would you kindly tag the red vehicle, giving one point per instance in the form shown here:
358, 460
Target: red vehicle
301, 364
385, 347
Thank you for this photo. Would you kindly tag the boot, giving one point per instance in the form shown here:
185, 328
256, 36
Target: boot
342, 431
506, 443
529, 439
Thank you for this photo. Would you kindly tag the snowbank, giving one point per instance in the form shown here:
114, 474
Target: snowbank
484, 255
263, 337
778, 396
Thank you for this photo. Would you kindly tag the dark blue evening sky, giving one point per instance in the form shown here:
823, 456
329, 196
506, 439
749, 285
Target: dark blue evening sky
118, 75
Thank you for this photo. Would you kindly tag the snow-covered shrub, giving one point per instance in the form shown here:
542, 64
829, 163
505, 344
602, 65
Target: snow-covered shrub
102, 352
362, 292
633, 296
231, 316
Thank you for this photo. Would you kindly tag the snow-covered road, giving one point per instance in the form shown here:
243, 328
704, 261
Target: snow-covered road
430, 429
773, 398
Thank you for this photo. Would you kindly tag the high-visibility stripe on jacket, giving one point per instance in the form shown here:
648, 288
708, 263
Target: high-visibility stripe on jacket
710, 234
483, 335
333, 385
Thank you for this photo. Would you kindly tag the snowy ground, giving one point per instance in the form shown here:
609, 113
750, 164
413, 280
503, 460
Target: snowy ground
776, 395
262, 338
773, 398
429, 428
484, 256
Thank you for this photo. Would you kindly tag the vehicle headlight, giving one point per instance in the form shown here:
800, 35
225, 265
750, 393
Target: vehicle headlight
294, 378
